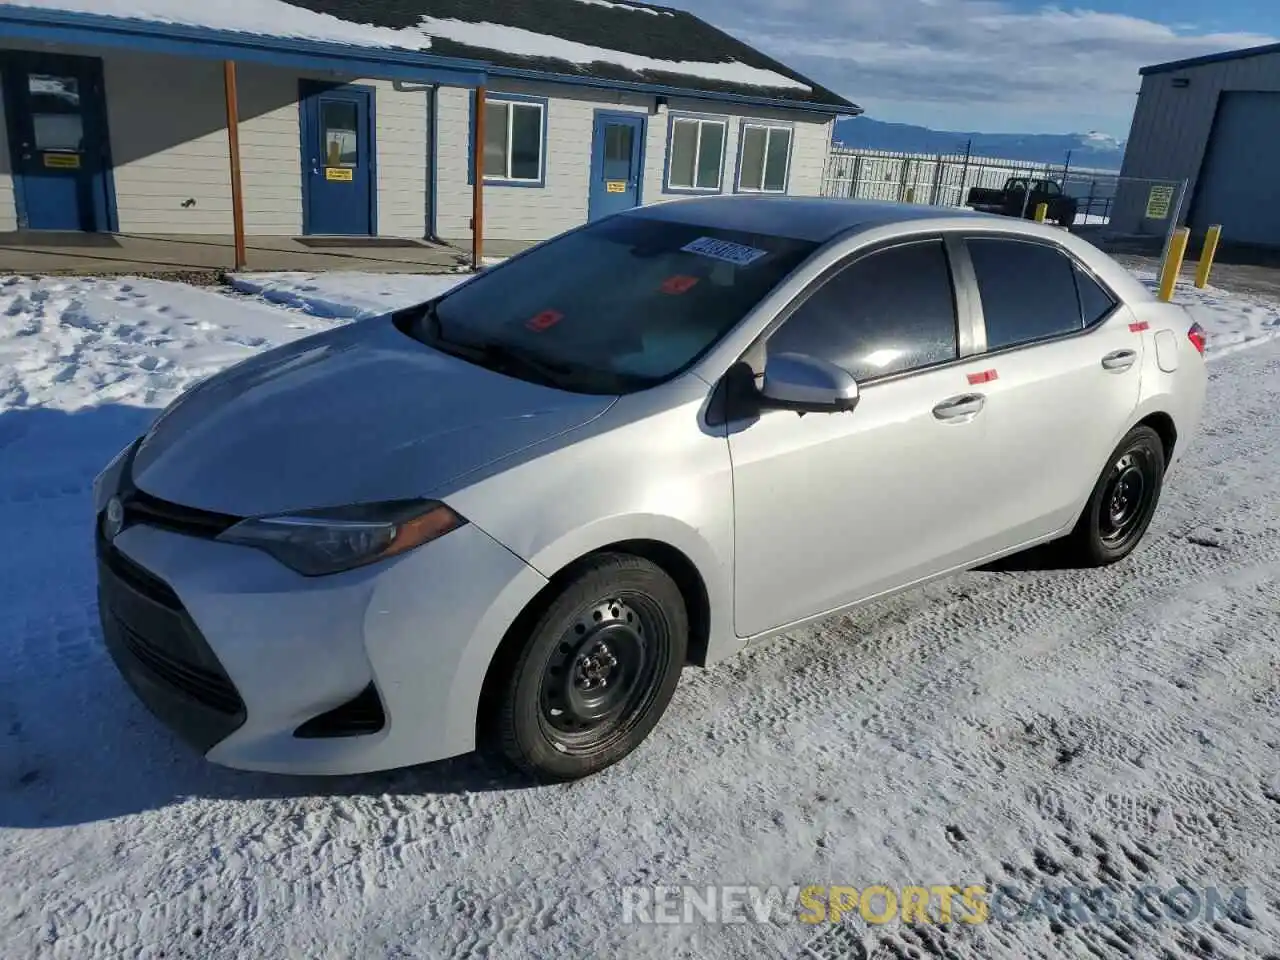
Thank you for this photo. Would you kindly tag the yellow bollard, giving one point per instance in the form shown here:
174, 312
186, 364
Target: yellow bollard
1207, 254
1172, 265
911, 194
1042, 211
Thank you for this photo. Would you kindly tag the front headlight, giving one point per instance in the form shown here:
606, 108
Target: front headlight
319, 542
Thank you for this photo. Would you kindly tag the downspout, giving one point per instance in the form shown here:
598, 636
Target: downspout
433, 126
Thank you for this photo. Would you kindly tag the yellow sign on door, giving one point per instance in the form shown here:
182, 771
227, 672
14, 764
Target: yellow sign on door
342, 174
616, 186
1159, 201
62, 161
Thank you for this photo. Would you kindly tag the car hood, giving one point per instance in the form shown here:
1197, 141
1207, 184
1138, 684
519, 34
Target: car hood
359, 414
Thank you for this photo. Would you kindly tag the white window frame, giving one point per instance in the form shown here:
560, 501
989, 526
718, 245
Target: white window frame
721, 122
769, 129
506, 177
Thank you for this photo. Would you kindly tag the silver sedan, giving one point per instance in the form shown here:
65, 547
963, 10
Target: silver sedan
512, 515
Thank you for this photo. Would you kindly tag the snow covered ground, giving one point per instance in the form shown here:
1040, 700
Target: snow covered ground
1026, 727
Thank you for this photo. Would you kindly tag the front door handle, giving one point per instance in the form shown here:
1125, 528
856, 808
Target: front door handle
960, 409
1119, 361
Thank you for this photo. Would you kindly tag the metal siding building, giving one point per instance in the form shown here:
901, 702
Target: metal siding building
1215, 122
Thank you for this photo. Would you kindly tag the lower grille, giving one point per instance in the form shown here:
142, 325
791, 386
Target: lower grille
161, 653
204, 685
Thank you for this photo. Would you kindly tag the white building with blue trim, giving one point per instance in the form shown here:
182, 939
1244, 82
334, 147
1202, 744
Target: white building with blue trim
357, 118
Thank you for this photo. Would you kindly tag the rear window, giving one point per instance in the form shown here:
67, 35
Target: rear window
624, 303
1028, 291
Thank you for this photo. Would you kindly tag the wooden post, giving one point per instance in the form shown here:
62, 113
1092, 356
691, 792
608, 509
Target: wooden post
233, 144
477, 185
1207, 253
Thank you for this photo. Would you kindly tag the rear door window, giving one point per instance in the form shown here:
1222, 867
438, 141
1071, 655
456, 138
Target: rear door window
886, 313
1028, 291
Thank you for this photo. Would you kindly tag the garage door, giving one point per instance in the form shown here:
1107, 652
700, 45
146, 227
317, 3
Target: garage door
1240, 179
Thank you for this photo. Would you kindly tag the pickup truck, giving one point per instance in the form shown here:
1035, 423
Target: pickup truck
1012, 200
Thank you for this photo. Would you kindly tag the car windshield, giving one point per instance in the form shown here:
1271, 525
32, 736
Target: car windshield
618, 306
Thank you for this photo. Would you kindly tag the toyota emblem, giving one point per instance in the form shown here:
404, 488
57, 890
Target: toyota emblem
113, 521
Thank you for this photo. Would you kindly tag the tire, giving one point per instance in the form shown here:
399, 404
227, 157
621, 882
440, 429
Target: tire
620, 619
1122, 503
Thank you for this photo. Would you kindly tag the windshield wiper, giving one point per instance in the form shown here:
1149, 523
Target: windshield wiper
495, 355
514, 359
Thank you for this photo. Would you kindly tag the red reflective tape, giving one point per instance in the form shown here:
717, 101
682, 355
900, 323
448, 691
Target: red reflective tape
544, 320
1139, 327
678, 284
986, 376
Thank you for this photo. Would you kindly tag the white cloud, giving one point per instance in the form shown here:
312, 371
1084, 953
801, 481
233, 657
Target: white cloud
969, 64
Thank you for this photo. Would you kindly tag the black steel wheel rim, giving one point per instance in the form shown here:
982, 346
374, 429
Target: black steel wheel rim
602, 672
1125, 497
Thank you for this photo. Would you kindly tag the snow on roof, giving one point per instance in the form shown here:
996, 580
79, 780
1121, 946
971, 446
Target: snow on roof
626, 6
276, 18
272, 18
526, 43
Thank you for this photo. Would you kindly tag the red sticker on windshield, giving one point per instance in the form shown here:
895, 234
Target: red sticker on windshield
678, 284
544, 320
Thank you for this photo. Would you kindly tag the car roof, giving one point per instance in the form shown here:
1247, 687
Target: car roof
818, 219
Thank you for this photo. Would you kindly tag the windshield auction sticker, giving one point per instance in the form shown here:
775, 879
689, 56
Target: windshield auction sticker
734, 253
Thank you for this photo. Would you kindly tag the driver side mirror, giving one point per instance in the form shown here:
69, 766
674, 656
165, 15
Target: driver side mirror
805, 384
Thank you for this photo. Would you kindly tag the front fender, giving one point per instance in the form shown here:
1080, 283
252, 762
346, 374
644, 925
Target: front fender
714, 565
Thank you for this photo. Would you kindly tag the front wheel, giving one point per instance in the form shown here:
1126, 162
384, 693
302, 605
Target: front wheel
1122, 503
597, 672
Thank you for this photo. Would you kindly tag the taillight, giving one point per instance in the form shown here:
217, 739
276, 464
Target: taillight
1199, 339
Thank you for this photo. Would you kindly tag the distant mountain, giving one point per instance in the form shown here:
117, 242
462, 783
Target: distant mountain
1096, 150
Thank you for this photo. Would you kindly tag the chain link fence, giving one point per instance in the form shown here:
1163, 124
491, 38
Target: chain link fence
1107, 207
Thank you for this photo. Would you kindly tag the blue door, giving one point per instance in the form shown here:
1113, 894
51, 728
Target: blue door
617, 163
338, 157
57, 121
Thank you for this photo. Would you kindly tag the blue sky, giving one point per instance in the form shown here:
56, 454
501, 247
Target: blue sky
1014, 66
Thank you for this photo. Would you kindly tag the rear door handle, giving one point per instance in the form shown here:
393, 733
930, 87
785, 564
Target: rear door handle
1119, 361
960, 409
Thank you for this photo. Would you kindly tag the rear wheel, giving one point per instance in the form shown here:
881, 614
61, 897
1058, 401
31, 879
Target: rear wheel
597, 672
1122, 503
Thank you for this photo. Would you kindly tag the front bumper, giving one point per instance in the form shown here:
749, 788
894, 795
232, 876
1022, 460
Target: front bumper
235, 652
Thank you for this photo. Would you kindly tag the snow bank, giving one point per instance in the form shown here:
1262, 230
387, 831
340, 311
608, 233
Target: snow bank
71, 343
344, 295
1235, 321
272, 18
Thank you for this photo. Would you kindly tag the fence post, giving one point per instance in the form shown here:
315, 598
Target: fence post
857, 172
902, 180
1173, 219
1207, 253
1172, 265
935, 193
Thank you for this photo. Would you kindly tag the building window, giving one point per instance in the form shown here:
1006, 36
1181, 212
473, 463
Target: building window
696, 154
766, 154
513, 141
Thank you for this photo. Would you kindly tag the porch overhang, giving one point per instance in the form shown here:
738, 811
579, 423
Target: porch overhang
94, 30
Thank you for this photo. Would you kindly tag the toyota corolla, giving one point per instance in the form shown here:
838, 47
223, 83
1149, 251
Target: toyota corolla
512, 515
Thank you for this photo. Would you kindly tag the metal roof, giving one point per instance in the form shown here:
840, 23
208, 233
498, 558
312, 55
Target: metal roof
1173, 65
